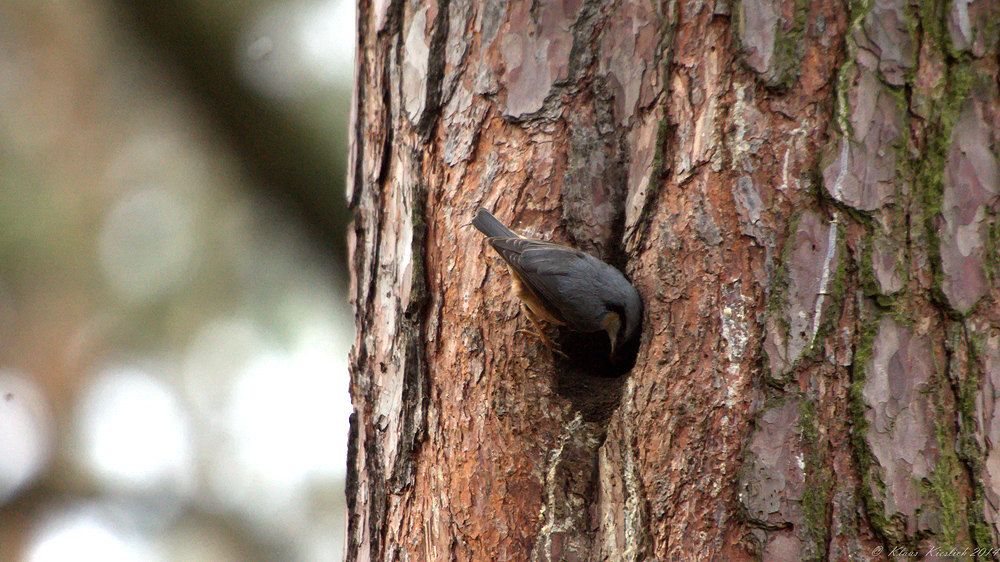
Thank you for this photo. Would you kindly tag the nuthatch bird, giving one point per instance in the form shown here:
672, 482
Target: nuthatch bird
565, 286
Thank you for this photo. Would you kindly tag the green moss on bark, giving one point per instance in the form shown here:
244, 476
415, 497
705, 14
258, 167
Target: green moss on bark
819, 482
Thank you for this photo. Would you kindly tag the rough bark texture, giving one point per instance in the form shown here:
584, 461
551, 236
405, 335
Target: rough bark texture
805, 194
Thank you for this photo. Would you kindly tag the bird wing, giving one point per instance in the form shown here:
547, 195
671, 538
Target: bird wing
551, 271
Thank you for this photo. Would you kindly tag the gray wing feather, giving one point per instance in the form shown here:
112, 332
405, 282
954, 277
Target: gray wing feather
563, 277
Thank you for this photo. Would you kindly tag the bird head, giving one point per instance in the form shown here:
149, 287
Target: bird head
624, 316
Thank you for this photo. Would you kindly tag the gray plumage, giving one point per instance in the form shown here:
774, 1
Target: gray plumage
486, 223
575, 288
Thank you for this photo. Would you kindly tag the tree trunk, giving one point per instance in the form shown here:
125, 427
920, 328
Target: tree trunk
805, 194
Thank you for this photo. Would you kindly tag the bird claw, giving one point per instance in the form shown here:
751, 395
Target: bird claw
553, 346
539, 333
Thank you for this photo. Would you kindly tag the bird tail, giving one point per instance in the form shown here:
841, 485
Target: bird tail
490, 226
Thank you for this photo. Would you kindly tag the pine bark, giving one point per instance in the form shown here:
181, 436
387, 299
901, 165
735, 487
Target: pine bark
805, 194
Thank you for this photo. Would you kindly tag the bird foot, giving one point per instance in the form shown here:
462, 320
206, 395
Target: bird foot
539, 333
553, 346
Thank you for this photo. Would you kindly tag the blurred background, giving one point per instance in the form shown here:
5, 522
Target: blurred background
173, 322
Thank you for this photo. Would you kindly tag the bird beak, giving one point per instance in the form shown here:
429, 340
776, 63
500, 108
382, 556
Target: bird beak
611, 323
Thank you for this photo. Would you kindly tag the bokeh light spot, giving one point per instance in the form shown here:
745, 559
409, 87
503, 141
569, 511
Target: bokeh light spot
147, 244
134, 432
26, 433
